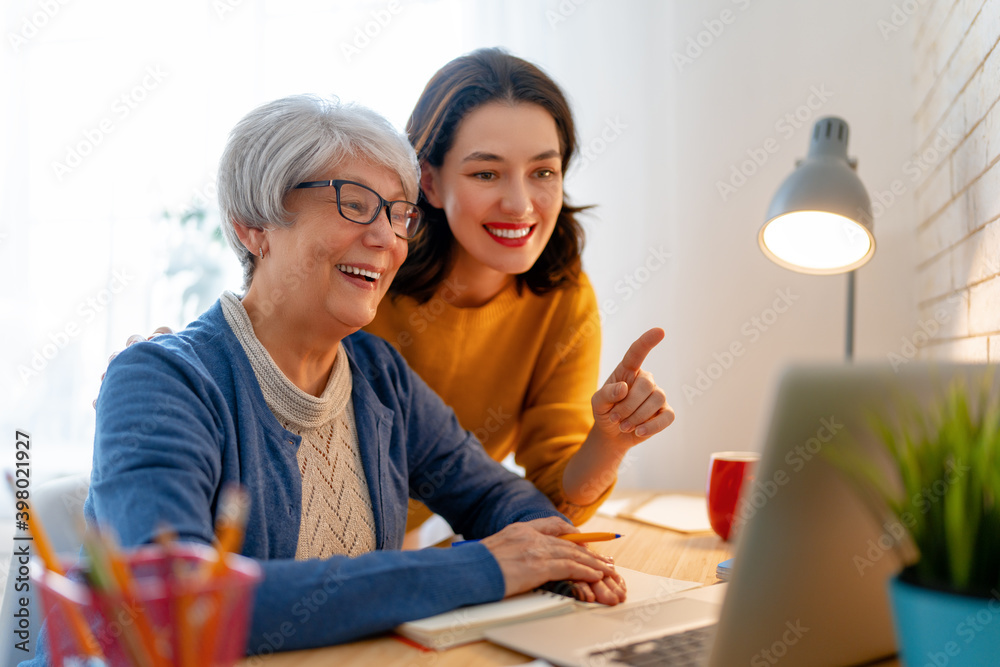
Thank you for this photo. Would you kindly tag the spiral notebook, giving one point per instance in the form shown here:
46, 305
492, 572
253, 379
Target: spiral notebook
469, 624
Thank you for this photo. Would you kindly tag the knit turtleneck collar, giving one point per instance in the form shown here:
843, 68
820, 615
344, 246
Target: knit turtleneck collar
288, 402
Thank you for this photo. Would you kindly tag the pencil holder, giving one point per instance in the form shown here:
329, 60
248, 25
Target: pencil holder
178, 618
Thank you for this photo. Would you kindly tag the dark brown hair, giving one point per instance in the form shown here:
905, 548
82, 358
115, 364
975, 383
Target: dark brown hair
464, 84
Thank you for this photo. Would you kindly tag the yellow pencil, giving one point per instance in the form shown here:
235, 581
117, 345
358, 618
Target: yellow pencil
230, 525
78, 625
176, 598
106, 586
122, 574
580, 538
229, 532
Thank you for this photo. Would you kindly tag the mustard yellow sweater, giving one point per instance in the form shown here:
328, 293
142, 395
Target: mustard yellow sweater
519, 373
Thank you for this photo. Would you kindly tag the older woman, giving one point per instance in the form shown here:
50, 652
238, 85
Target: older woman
326, 427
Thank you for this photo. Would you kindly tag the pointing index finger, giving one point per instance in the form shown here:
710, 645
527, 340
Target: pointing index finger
631, 363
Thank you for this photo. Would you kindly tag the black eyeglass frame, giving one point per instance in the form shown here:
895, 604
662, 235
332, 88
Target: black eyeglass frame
384, 204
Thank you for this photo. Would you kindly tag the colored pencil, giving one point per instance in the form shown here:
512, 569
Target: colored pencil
230, 525
577, 538
581, 538
177, 613
122, 573
106, 584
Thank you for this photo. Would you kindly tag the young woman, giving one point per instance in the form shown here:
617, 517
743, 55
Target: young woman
491, 307
327, 429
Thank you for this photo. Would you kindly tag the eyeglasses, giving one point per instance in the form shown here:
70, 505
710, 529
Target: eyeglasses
359, 203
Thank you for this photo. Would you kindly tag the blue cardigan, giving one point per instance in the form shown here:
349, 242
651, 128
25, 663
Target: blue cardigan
182, 415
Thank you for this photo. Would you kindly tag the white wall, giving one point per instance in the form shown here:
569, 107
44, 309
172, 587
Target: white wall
766, 65
684, 90
768, 60
659, 138
958, 203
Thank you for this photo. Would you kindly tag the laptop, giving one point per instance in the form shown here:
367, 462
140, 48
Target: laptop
809, 580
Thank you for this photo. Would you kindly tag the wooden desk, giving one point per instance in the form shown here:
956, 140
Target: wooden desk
644, 548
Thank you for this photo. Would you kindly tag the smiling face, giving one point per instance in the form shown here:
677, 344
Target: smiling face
500, 187
330, 273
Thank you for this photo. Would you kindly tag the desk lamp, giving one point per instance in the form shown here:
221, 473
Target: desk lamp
820, 220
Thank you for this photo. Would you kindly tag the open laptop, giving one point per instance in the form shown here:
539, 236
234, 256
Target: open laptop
811, 563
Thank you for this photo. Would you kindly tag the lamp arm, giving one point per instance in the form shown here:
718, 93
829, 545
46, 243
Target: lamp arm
849, 335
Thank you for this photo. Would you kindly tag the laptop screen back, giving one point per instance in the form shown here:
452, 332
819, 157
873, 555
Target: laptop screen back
809, 583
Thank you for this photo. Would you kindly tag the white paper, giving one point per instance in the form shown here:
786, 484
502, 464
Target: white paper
686, 514
614, 507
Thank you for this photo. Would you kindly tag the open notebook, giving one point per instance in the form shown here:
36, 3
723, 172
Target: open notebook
468, 624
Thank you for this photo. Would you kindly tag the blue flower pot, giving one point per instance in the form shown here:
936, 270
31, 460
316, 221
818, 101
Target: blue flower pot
936, 628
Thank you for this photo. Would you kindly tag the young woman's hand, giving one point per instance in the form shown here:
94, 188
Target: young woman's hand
530, 554
134, 338
630, 407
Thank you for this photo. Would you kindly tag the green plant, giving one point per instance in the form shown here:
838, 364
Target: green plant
946, 487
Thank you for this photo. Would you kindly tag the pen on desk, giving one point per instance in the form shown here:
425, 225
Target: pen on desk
576, 538
581, 538
78, 625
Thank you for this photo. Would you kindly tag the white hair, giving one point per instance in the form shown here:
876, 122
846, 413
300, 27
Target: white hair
283, 143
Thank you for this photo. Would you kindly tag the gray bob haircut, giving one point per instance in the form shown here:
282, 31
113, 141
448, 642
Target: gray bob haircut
283, 143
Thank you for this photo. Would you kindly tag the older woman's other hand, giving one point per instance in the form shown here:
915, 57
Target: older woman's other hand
531, 554
134, 338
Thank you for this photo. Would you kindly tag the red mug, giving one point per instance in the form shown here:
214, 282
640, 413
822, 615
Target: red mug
727, 474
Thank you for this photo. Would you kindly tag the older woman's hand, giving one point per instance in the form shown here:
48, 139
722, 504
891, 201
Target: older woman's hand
531, 554
134, 338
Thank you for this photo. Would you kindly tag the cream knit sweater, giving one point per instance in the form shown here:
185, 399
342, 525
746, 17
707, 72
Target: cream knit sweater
337, 517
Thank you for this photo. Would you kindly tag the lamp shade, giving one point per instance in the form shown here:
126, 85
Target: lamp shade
820, 220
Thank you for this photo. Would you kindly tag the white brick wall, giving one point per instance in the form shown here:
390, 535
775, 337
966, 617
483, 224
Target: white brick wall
957, 120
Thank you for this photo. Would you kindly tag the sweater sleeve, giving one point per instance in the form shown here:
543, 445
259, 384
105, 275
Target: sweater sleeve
558, 414
160, 433
452, 473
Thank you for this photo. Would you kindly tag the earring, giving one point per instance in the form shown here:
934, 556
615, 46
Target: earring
261, 249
